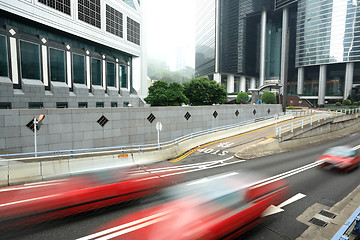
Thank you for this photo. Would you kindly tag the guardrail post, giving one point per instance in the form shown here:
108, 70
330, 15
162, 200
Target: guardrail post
279, 131
159, 146
139, 148
292, 127
302, 123
357, 226
311, 120
122, 149
71, 156
336, 113
325, 116
319, 118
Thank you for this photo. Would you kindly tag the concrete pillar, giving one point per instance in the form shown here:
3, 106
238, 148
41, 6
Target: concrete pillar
104, 83
44, 63
322, 85
349, 76
14, 62
230, 83
217, 77
68, 69
285, 23
242, 84
262, 48
252, 83
300, 80
88, 76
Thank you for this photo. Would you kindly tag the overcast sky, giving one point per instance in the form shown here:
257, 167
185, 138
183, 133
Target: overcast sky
170, 25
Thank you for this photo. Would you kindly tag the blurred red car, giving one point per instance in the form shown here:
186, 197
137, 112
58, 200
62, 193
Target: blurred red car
220, 207
341, 158
40, 201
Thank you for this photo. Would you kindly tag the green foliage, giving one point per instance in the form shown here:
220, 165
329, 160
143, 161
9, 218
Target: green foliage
346, 102
338, 104
356, 103
162, 93
202, 91
268, 97
290, 107
242, 97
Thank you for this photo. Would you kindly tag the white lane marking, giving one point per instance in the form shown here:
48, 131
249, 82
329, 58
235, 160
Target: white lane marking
356, 147
276, 209
286, 174
206, 167
123, 226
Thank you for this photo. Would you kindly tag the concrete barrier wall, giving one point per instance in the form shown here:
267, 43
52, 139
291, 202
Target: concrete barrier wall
17, 172
64, 129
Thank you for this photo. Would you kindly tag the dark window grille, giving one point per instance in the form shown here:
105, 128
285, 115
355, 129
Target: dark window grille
133, 31
89, 12
60, 5
102, 121
114, 21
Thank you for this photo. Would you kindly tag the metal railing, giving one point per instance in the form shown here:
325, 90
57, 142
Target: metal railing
74, 153
351, 228
315, 117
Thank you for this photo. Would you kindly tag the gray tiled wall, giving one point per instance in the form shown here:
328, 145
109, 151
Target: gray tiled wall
78, 128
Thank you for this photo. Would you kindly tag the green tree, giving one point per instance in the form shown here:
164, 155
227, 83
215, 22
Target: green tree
162, 93
268, 97
242, 97
346, 102
202, 91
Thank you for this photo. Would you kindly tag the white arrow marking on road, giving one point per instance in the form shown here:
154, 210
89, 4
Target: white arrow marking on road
276, 209
356, 147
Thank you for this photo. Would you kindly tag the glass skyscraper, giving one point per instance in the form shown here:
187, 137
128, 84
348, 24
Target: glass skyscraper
250, 46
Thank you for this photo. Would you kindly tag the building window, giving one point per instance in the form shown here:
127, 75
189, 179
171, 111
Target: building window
61, 105
57, 65
114, 104
30, 60
114, 21
110, 74
83, 105
60, 5
125, 104
89, 12
78, 66
99, 104
133, 31
96, 72
35, 105
130, 3
123, 76
3, 57
5, 105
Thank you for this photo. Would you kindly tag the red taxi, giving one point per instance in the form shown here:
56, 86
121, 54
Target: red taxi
343, 158
220, 207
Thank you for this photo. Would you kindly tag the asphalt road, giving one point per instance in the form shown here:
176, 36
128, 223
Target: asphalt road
320, 187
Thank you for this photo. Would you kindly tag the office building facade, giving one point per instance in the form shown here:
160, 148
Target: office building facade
312, 44
71, 54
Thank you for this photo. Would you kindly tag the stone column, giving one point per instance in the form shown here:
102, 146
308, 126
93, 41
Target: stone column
283, 69
322, 85
252, 83
242, 84
262, 48
300, 81
230, 83
349, 75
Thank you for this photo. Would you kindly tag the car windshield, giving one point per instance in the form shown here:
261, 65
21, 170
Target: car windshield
341, 151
